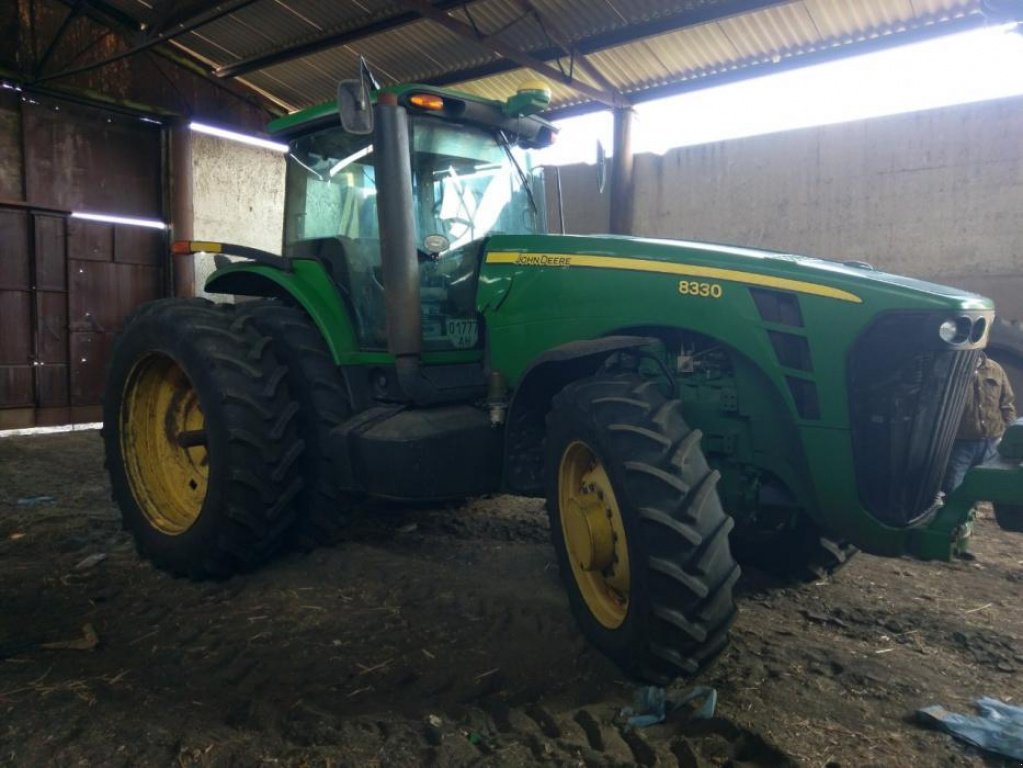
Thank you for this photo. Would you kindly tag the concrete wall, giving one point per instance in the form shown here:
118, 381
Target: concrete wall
238, 197
936, 194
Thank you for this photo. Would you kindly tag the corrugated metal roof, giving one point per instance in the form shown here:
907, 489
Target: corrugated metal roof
641, 46
752, 43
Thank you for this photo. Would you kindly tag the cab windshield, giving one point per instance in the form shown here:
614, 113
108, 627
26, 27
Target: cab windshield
468, 183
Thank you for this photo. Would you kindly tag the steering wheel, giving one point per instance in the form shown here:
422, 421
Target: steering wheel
422, 257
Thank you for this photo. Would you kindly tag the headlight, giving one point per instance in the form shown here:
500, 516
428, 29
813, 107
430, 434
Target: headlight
955, 330
947, 331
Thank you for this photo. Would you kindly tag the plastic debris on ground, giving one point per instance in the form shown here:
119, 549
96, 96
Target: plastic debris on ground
35, 501
90, 561
652, 705
997, 728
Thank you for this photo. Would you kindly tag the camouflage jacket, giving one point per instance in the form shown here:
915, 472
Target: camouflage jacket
990, 406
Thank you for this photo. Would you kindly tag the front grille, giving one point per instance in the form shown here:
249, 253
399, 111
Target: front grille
907, 390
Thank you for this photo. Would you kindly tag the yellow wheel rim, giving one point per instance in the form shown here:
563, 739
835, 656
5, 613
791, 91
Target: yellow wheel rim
594, 534
162, 434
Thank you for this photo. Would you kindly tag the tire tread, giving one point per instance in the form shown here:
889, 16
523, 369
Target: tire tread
322, 403
261, 448
682, 533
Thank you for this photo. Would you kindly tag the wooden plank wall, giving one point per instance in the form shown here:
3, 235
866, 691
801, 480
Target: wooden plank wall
66, 284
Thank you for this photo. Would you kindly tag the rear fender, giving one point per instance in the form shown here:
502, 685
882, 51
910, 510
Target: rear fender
308, 285
547, 375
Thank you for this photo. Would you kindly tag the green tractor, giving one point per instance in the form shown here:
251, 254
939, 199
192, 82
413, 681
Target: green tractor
679, 405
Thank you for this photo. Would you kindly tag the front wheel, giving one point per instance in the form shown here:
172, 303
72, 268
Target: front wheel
638, 527
1006, 348
1009, 517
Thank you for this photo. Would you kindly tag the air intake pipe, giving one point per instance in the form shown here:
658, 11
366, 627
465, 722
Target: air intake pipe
398, 247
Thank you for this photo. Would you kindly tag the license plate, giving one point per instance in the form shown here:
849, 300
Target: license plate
462, 332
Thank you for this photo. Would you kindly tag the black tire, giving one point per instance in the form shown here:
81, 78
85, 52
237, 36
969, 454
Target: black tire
252, 448
1005, 347
324, 403
1009, 517
804, 555
680, 604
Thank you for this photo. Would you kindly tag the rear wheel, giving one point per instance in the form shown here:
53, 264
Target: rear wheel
640, 534
201, 439
323, 402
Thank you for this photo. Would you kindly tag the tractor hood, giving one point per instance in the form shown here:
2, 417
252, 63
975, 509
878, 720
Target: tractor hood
698, 261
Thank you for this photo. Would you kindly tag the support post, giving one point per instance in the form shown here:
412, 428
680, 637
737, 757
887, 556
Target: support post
622, 187
182, 211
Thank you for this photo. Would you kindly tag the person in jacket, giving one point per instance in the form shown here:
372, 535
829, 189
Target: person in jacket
990, 408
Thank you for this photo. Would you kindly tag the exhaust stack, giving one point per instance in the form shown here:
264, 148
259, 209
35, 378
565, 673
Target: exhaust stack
398, 247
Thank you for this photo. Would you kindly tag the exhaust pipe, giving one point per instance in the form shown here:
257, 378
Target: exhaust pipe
398, 248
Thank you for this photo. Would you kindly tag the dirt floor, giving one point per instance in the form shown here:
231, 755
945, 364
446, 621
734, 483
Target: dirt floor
443, 637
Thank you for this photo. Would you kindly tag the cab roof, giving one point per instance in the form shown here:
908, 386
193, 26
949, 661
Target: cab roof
307, 118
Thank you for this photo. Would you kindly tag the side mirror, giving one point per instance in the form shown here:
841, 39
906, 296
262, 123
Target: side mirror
355, 106
601, 166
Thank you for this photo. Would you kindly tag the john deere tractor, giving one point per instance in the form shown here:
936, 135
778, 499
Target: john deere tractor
678, 404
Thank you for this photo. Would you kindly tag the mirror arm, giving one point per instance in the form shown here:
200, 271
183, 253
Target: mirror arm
601, 167
561, 200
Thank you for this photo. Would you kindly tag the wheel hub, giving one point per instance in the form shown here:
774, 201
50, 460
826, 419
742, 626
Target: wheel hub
163, 440
589, 533
594, 534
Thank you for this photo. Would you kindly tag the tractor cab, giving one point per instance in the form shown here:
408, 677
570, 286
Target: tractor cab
471, 177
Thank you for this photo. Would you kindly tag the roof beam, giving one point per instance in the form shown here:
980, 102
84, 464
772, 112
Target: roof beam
513, 54
331, 40
138, 43
174, 13
129, 30
555, 34
66, 22
702, 14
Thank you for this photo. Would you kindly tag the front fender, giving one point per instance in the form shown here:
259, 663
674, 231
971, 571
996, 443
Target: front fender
307, 285
547, 375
